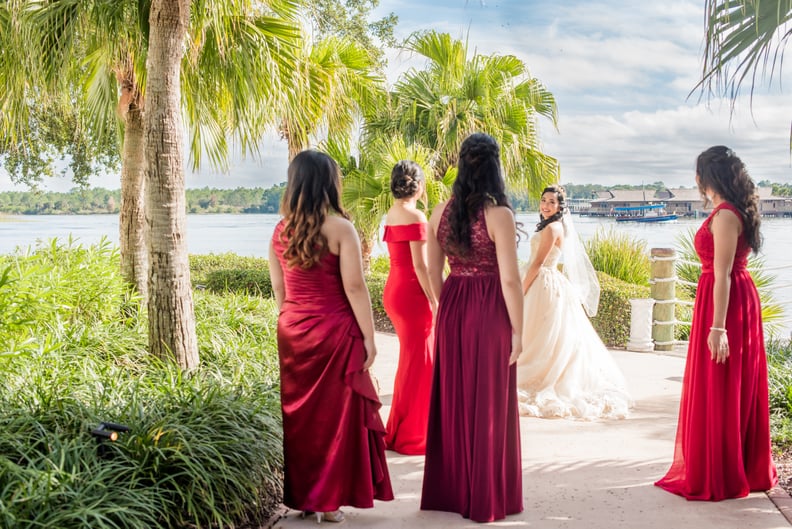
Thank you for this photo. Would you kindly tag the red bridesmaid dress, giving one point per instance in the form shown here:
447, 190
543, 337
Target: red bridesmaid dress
409, 311
723, 436
333, 447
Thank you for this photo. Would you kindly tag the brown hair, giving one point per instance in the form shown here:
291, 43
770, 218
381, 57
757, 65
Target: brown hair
313, 189
479, 182
720, 170
406, 177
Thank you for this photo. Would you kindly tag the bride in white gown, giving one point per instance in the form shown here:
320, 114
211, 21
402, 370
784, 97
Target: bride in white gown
565, 370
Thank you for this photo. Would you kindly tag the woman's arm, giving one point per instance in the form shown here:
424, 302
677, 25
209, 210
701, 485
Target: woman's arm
276, 277
435, 255
503, 232
547, 239
725, 227
354, 282
420, 261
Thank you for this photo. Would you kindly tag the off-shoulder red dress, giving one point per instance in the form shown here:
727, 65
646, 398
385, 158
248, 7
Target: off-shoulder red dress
409, 311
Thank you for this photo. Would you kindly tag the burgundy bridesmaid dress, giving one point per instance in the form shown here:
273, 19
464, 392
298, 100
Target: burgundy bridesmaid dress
473, 460
333, 447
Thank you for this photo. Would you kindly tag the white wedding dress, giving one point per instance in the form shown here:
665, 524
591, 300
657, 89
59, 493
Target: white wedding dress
565, 370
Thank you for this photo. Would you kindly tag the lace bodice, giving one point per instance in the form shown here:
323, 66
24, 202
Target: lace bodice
553, 256
482, 259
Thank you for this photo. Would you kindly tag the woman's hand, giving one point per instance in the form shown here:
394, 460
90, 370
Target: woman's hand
371, 352
516, 348
718, 344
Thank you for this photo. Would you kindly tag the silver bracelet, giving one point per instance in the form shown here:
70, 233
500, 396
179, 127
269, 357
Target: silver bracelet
721, 329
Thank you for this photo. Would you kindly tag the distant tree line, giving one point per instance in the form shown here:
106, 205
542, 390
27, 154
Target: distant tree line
81, 201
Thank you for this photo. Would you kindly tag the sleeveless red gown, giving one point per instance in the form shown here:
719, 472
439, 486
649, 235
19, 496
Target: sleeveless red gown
409, 311
333, 447
473, 460
723, 437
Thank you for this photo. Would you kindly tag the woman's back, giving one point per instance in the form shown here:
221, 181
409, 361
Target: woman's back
481, 260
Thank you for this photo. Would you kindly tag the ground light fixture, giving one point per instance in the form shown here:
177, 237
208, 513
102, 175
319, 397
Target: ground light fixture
107, 431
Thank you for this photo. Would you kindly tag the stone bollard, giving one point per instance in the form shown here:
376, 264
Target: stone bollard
663, 291
641, 326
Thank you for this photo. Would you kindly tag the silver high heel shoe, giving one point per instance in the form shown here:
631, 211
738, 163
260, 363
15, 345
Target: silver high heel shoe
333, 516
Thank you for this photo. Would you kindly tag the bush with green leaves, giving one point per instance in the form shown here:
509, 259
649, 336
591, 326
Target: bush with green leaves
204, 447
620, 256
779, 371
612, 321
688, 269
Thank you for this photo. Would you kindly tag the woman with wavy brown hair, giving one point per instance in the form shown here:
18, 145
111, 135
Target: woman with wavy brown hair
333, 447
723, 436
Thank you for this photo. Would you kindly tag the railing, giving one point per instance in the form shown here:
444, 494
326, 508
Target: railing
659, 312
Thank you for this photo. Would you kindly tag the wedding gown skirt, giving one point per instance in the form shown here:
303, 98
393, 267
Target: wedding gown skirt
565, 370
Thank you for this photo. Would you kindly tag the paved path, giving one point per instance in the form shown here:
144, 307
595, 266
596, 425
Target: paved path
577, 475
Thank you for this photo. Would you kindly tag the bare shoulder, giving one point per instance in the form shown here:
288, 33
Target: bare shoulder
437, 212
337, 228
727, 218
499, 215
397, 216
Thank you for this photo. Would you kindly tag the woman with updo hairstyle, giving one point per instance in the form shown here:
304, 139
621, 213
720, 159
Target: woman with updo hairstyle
565, 369
409, 303
333, 437
722, 445
473, 463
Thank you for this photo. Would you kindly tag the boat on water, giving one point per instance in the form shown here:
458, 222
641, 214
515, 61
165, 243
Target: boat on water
645, 213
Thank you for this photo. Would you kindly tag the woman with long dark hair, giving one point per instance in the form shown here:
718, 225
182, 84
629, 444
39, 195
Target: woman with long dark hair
333, 447
473, 464
565, 369
723, 437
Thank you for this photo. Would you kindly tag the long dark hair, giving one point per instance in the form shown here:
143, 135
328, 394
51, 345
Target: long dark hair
479, 183
720, 170
313, 189
560, 194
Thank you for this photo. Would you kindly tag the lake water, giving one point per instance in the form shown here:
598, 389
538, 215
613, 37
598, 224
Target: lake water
249, 234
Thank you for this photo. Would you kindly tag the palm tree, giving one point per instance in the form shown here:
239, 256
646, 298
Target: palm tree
453, 96
334, 86
744, 39
170, 307
366, 184
101, 47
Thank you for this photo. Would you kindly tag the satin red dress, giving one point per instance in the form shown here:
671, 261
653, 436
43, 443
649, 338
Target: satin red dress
411, 315
333, 447
473, 460
723, 436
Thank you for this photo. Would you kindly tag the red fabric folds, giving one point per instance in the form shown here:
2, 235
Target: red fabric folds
334, 452
722, 445
409, 311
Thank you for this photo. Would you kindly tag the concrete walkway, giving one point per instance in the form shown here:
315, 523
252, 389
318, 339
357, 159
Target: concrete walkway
577, 475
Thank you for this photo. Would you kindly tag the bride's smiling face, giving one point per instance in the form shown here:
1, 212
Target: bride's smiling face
548, 205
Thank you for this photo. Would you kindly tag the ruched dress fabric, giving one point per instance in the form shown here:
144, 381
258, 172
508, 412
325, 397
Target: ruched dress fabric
723, 437
409, 310
333, 446
564, 370
473, 460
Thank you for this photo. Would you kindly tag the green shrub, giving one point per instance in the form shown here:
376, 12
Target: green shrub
202, 265
612, 321
688, 269
204, 448
619, 256
779, 371
251, 282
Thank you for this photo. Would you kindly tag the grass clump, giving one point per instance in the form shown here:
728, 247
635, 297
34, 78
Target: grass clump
619, 256
204, 448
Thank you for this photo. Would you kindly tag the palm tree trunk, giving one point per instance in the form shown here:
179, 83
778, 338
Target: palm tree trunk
132, 220
170, 307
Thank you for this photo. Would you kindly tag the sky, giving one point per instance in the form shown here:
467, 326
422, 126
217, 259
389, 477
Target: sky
623, 74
